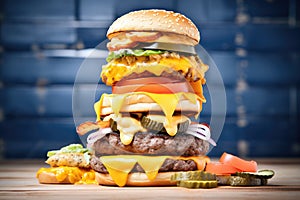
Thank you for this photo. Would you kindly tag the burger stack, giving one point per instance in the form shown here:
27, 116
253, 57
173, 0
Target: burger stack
149, 128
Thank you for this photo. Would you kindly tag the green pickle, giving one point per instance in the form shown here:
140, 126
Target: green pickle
158, 126
197, 184
223, 179
195, 179
113, 125
182, 127
193, 175
261, 175
151, 124
241, 181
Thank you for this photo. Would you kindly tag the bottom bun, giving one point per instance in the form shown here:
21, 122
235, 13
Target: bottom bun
50, 178
138, 179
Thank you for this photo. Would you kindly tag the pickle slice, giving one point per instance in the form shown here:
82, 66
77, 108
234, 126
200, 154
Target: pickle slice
158, 126
113, 125
197, 184
193, 175
182, 127
264, 181
151, 124
241, 181
223, 179
261, 174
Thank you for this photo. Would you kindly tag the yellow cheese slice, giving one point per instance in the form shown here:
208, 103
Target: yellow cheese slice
119, 166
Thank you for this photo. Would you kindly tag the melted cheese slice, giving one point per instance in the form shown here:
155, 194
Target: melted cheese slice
76, 175
127, 126
115, 70
167, 102
119, 166
197, 86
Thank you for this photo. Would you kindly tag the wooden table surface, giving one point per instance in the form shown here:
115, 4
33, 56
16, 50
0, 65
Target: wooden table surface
17, 181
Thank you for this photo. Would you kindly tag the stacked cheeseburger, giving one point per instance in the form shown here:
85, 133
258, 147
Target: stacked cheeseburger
145, 130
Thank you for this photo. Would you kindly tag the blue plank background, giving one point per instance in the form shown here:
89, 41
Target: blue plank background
39, 10
273, 68
264, 8
272, 37
24, 35
94, 10
46, 47
122, 7
32, 138
44, 69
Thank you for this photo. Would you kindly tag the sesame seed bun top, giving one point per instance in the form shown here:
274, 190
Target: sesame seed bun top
155, 20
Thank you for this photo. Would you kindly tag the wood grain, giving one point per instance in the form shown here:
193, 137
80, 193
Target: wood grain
17, 181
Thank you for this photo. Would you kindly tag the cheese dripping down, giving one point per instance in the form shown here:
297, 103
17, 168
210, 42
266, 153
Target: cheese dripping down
119, 166
115, 70
129, 126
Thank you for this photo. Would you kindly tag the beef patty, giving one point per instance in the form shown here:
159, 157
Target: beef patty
167, 166
152, 144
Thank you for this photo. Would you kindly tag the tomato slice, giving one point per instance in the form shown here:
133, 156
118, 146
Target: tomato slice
160, 85
146, 80
152, 88
243, 165
230, 164
219, 168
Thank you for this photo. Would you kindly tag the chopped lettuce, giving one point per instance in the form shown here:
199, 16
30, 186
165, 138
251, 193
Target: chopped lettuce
130, 52
72, 148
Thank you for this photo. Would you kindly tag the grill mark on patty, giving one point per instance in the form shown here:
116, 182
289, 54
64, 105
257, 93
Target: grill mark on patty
152, 144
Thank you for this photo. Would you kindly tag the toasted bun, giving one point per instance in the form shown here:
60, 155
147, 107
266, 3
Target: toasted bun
138, 179
50, 178
143, 103
155, 20
183, 106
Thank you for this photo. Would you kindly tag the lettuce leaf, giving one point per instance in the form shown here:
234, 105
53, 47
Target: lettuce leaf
130, 52
72, 148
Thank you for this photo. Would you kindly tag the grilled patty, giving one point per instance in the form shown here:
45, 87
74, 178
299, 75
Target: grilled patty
167, 166
152, 144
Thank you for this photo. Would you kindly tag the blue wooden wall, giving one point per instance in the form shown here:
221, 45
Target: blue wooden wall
255, 44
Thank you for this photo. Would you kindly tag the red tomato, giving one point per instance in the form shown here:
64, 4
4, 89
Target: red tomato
219, 168
230, 164
241, 164
146, 80
160, 85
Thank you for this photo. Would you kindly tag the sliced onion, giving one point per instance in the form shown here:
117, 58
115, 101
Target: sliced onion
212, 142
200, 136
202, 132
93, 137
200, 128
